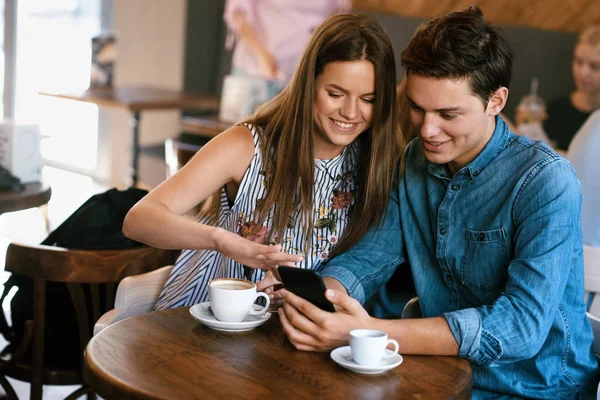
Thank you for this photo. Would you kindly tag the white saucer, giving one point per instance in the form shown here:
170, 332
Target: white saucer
343, 356
203, 314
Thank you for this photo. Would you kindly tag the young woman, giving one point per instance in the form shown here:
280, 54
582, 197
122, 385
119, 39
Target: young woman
307, 175
567, 114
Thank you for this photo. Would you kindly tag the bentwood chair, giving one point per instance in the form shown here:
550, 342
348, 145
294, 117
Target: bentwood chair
591, 265
91, 277
595, 322
412, 309
136, 294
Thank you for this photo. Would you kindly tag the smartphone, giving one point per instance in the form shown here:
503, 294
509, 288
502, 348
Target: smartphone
307, 284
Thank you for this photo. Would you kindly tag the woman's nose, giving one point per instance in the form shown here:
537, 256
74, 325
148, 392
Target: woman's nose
349, 109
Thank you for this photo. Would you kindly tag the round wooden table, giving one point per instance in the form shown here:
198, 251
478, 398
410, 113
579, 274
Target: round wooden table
168, 355
34, 195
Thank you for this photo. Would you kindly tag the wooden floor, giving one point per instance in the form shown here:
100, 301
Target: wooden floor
69, 191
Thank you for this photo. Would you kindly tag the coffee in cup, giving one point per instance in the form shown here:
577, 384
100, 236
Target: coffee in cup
231, 300
368, 346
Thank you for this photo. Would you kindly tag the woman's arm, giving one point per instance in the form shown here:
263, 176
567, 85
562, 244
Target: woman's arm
159, 218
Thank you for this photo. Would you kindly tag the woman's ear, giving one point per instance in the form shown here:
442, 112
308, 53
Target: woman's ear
497, 101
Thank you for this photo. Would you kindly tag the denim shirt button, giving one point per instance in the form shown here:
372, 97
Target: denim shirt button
442, 231
448, 278
454, 187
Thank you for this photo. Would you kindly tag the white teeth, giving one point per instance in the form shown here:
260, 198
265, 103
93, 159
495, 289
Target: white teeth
342, 125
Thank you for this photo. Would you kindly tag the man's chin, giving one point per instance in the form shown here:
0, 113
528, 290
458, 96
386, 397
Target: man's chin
436, 158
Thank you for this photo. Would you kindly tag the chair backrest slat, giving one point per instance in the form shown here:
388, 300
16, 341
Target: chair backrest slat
81, 311
95, 298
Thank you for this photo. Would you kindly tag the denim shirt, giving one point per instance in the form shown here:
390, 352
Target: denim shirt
496, 250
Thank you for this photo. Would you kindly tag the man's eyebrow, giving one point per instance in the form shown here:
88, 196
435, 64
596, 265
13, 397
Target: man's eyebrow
440, 110
341, 89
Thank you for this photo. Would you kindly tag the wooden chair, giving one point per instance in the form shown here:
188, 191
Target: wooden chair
591, 265
412, 309
595, 322
91, 277
136, 294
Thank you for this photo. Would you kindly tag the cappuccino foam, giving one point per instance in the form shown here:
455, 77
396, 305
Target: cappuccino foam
232, 285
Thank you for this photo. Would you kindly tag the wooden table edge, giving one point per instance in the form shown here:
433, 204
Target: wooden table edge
105, 385
34, 200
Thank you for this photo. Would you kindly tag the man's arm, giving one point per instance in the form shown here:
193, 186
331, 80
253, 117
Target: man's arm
546, 247
312, 329
369, 264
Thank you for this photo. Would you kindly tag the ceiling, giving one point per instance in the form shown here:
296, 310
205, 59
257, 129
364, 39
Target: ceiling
555, 15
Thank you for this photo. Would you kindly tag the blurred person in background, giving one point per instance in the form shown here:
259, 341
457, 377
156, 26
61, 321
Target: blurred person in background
567, 114
583, 154
270, 35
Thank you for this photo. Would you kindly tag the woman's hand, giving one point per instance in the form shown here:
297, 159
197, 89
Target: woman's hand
311, 329
252, 254
271, 286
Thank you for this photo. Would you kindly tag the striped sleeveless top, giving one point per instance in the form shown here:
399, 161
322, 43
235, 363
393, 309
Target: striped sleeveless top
333, 193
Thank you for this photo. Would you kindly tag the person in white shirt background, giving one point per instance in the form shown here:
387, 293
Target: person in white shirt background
584, 154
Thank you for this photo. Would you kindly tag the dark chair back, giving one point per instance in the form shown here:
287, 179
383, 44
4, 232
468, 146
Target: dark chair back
91, 277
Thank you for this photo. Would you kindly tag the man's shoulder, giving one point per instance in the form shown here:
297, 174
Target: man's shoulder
530, 151
530, 159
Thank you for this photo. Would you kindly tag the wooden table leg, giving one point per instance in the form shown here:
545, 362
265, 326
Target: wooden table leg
135, 128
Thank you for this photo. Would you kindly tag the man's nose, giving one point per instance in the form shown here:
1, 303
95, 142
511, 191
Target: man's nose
429, 127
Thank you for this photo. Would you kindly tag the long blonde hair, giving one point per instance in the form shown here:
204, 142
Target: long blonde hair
288, 130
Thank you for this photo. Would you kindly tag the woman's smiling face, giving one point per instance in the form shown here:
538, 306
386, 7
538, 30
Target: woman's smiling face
343, 108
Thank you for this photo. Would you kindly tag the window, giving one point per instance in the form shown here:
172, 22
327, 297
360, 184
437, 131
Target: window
53, 52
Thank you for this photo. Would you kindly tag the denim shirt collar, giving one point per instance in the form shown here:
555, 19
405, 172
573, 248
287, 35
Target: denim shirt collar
496, 144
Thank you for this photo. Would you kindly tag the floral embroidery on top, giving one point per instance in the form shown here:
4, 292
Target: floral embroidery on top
340, 205
327, 216
251, 230
341, 199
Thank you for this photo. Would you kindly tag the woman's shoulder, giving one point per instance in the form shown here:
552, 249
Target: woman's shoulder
243, 134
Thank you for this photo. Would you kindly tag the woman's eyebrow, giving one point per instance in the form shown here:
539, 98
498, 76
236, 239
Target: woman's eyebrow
341, 89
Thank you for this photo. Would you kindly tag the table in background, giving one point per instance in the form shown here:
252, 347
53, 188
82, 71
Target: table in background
138, 99
168, 355
207, 127
34, 195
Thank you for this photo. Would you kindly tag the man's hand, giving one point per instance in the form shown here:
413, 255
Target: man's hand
311, 329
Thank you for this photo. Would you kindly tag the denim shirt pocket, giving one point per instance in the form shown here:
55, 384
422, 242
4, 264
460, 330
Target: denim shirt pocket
484, 265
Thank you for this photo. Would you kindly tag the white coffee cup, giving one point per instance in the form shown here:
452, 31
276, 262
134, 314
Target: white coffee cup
231, 300
368, 346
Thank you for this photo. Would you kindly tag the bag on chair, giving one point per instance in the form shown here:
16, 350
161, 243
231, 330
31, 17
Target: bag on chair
95, 225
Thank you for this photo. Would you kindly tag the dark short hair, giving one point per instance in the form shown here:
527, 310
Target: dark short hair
461, 45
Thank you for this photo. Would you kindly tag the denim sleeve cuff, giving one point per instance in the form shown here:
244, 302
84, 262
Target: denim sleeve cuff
474, 343
347, 279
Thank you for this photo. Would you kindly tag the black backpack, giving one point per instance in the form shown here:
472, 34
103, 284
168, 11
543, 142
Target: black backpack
95, 225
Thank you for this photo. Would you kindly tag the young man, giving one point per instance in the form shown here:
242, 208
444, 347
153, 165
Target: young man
490, 224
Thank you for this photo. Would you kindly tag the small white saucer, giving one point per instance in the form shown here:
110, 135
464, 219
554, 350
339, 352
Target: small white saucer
343, 356
203, 314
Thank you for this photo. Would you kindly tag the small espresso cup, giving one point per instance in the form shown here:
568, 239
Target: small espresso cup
368, 346
231, 300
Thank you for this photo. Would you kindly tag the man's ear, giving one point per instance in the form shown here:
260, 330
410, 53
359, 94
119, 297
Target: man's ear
497, 101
